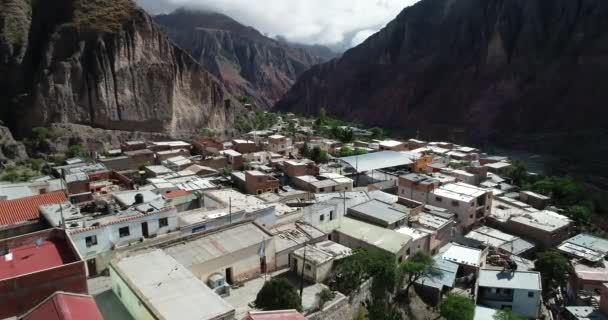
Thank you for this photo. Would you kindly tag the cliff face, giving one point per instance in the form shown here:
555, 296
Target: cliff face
105, 64
480, 70
248, 63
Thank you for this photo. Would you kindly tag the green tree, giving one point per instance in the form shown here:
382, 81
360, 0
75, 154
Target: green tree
417, 267
579, 213
554, 268
278, 294
346, 152
325, 296
306, 152
317, 155
74, 150
457, 307
518, 173
507, 315
40, 133
227, 171
377, 133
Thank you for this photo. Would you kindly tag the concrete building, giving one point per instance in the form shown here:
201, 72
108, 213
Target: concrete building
207, 147
133, 145
244, 146
421, 239
154, 285
585, 246
317, 260
416, 187
98, 235
234, 159
300, 168
547, 228
291, 237
324, 183
13, 191
34, 266
21, 216
537, 201
462, 176
469, 259
500, 168
519, 291
177, 163
238, 252
382, 214
439, 228
356, 234
280, 144
140, 158
392, 145
65, 306
505, 242
257, 182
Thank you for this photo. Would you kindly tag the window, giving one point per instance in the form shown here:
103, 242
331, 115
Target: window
438, 199
163, 222
400, 259
308, 267
91, 241
331, 215
408, 251
124, 232
322, 217
118, 291
530, 294
455, 203
471, 217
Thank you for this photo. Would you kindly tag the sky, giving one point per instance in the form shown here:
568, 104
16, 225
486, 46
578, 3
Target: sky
333, 23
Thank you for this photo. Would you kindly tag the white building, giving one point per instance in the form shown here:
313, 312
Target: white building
317, 260
519, 291
97, 236
468, 202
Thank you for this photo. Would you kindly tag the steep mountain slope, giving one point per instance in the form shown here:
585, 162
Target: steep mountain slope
104, 64
249, 63
476, 71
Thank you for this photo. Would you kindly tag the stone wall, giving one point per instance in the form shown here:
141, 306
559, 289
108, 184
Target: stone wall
346, 307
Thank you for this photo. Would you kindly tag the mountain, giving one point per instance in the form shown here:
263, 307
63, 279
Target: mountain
531, 73
105, 64
249, 63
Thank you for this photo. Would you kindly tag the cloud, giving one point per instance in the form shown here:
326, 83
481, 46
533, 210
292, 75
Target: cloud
327, 22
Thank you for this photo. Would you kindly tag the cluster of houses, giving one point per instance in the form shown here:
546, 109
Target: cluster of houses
176, 223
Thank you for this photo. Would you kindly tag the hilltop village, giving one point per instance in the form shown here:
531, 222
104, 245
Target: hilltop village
337, 222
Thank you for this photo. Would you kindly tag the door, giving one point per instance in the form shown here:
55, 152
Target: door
92, 267
144, 229
229, 275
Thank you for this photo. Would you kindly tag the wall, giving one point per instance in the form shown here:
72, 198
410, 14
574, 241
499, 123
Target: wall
544, 238
353, 243
265, 217
346, 307
128, 299
521, 304
463, 210
312, 214
245, 263
108, 237
15, 230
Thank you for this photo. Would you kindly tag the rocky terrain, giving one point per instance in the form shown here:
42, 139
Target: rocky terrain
476, 71
105, 64
249, 63
10, 149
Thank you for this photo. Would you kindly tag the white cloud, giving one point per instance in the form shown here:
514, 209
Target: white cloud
326, 22
361, 36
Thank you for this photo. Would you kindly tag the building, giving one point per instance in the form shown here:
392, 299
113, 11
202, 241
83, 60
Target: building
546, 228
13, 191
274, 315
469, 259
585, 246
329, 182
433, 285
22, 216
177, 163
462, 176
468, 202
280, 144
239, 252
439, 228
536, 200
234, 159
257, 182
207, 147
316, 261
501, 167
36, 265
154, 285
382, 214
392, 145
133, 145
65, 306
170, 145
497, 239
519, 291
244, 146
157, 171
140, 158
98, 235
291, 237
360, 235
300, 168
591, 312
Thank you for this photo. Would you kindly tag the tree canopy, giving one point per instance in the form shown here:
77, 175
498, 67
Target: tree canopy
278, 294
554, 268
457, 307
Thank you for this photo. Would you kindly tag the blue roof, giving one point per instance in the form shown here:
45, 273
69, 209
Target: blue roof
446, 274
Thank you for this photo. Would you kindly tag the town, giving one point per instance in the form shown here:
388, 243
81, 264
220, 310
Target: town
297, 218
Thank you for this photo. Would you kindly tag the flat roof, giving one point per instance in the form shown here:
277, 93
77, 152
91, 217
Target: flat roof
586, 313
158, 169
586, 246
463, 255
239, 200
385, 239
32, 258
217, 244
169, 289
497, 165
412, 232
431, 221
127, 198
536, 195
524, 280
378, 211
544, 220
391, 143
378, 160
499, 239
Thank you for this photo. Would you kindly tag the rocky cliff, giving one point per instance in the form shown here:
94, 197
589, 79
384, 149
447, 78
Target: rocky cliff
473, 70
249, 63
101, 63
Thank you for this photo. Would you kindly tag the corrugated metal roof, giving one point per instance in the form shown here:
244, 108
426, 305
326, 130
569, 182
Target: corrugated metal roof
65, 306
26, 209
444, 274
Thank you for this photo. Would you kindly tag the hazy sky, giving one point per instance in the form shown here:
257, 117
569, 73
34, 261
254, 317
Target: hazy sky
327, 22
